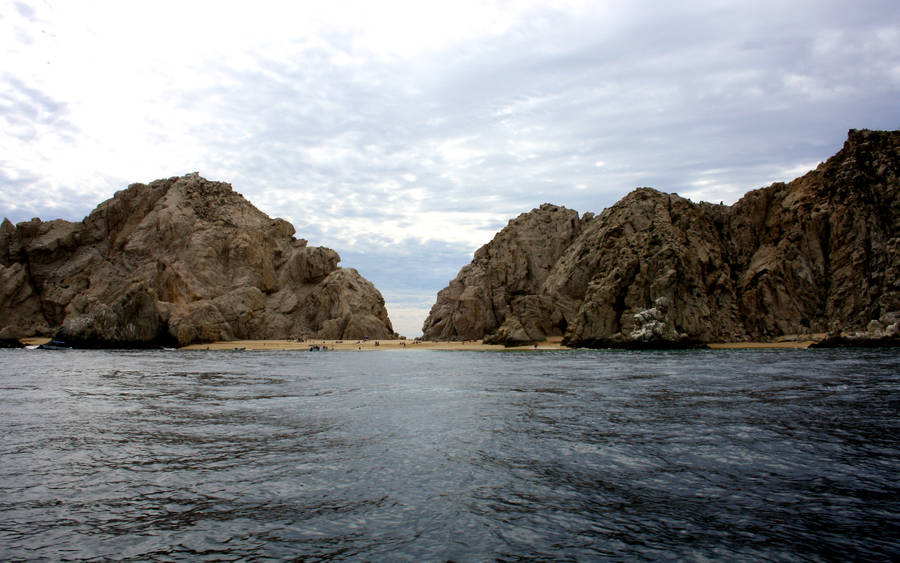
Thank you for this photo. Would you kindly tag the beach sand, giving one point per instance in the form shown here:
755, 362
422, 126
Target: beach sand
741, 345
554, 343
360, 345
34, 341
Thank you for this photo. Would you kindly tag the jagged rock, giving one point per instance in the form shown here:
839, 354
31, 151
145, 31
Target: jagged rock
177, 261
817, 255
878, 332
346, 305
821, 254
501, 283
647, 247
654, 323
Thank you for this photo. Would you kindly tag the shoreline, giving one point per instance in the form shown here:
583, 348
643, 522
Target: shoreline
372, 345
554, 343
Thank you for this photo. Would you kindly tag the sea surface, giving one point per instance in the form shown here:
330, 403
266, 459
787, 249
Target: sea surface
462, 456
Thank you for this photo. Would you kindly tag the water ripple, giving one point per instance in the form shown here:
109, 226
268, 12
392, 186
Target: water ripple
576, 456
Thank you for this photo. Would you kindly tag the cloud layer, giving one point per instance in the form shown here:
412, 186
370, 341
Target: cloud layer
405, 134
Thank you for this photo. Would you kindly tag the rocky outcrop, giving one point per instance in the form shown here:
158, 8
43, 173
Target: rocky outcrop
498, 294
817, 255
882, 332
650, 256
174, 262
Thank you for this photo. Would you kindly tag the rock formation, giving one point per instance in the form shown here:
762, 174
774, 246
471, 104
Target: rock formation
503, 281
178, 261
817, 255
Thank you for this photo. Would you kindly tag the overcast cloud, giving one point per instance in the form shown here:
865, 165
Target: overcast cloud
405, 134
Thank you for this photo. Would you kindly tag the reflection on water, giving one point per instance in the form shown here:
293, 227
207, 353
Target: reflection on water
450, 455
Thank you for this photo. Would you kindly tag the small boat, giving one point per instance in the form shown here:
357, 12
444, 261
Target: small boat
55, 345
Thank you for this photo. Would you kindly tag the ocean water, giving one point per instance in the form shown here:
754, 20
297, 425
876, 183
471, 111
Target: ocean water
450, 456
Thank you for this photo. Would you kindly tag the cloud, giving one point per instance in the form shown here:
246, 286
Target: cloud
390, 129
401, 271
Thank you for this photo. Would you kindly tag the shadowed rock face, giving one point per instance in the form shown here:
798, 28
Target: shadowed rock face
819, 254
175, 262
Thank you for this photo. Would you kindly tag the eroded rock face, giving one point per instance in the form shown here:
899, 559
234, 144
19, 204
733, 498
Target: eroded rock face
178, 261
817, 255
499, 290
649, 248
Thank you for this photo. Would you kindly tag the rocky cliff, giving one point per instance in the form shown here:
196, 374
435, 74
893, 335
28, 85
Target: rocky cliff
178, 261
817, 255
503, 282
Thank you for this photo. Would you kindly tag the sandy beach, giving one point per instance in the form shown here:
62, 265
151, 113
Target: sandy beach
361, 345
472, 345
741, 345
554, 343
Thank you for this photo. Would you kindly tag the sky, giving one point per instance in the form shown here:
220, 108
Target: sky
404, 135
